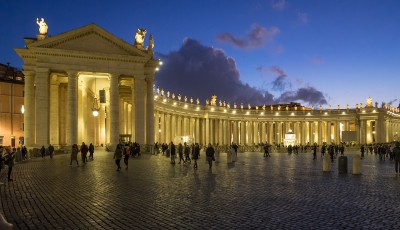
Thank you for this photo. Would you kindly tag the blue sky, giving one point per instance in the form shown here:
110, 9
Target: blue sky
340, 52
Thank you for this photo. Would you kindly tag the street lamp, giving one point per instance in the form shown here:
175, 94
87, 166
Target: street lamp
22, 109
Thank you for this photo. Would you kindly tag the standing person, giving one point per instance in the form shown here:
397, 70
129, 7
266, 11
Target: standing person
331, 150
210, 155
24, 153
51, 150
180, 153
43, 151
266, 150
127, 154
196, 153
396, 153
187, 151
91, 151
362, 151
74, 154
10, 162
118, 156
84, 151
314, 149
173, 153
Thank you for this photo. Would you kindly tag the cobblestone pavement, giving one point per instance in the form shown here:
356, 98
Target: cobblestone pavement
280, 192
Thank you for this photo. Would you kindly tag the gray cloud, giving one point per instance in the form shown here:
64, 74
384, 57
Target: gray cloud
279, 4
200, 71
280, 83
257, 36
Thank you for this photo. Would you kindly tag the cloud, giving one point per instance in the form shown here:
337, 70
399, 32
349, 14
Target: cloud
391, 102
257, 36
303, 17
200, 71
308, 95
279, 4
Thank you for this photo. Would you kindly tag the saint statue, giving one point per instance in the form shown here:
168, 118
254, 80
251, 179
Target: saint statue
272, 108
139, 38
234, 105
241, 105
197, 101
213, 100
162, 92
207, 102
256, 107
220, 103
173, 96
295, 107
228, 106
249, 106
320, 107
179, 97
151, 43
191, 100
224, 103
42, 26
158, 90
369, 102
185, 99
263, 107
168, 94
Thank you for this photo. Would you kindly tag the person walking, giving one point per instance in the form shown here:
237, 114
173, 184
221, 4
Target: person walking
127, 154
10, 162
266, 150
173, 153
118, 156
314, 149
43, 151
210, 155
91, 151
84, 151
396, 153
51, 151
180, 153
362, 151
196, 153
74, 154
187, 152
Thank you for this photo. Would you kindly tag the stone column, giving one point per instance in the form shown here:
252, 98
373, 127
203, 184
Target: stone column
363, 126
42, 107
310, 132
121, 116
114, 111
256, 138
156, 126
328, 132
133, 114
72, 109
207, 130
168, 128
271, 132
320, 133
242, 132
140, 110
162, 127
29, 106
54, 108
197, 131
220, 133
150, 110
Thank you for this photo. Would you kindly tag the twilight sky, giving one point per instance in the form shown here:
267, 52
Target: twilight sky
258, 51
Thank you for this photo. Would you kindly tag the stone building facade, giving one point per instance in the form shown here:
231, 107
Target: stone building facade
63, 74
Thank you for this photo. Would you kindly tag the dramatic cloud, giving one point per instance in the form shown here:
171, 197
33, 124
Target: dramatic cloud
200, 71
308, 95
280, 83
255, 38
279, 4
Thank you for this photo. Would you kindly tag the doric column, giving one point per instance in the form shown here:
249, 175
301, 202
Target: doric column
256, 138
81, 125
263, 132
328, 132
140, 123
310, 132
156, 126
42, 107
168, 127
29, 106
173, 127
114, 111
363, 128
220, 133
149, 110
242, 132
197, 130
121, 115
54, 108
162, 128
133, 114
320, 139
271, 132
207, 130
302, 133
72, 109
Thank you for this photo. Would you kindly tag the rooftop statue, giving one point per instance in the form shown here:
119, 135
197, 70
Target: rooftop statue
185, 99
42, 26
369, 102
220, 103
173, 96
168, 94
151, 43
197, 101
234, 105
139, 38
179, 97
191, 100
263, 107
213, 100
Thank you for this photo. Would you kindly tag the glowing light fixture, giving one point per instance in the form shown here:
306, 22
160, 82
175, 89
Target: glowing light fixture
95, 106
22, 109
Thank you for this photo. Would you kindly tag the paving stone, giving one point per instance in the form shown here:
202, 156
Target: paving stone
280, 192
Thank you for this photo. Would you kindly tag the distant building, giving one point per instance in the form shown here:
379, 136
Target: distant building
11, 104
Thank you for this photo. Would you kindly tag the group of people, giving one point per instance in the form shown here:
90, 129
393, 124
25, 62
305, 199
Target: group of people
84, 149
126, 151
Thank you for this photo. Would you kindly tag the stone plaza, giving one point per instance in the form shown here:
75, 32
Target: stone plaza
280, 192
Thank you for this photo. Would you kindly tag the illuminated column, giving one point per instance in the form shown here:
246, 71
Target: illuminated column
173, 126
122, 121
303, 132
271, 132
337, 132
149, 110
129, 119
310, 132
179, 126
162, 128
320, 133
167, 121
220, 132
207, 140
42, 107
363, 126
296, 132
203, 131
29, 106
133, 114
226, 132
140, 109
114, 111
328, 132
197, 130
156, 126
54, 108
72, 112
263, 132
347, 126
242, 132
256, 138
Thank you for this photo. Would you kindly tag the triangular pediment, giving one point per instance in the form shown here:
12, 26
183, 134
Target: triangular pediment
89, 39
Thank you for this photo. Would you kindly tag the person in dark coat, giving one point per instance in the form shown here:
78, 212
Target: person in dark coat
196, 153
210, 155
396, 153
43, 151
173, 153
91, 151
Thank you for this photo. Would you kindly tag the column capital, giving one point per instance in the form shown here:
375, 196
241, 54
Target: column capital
28, 72
72, 73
